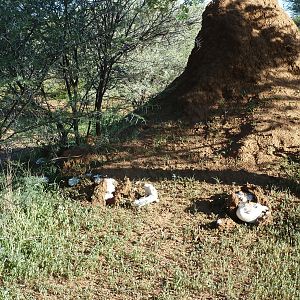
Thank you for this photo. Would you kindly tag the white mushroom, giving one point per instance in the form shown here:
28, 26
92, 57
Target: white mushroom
151, 195
250, 211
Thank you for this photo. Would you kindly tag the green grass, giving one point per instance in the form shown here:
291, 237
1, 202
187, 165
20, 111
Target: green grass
54, 248
40, 235
291, 167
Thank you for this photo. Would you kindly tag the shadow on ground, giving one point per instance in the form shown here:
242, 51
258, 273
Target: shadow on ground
214, 205
228, 177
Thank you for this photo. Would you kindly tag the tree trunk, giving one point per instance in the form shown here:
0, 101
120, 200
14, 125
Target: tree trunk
71, 83
76, 131
63, 134
98, 108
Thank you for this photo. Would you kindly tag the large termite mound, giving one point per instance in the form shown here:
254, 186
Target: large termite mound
245, 49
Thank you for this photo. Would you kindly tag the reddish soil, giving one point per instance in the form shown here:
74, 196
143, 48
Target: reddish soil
245, 49
245, 64
252, 148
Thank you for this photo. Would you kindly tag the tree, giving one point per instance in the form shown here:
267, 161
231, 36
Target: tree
295, 6
82, 45
29, 46
118, 27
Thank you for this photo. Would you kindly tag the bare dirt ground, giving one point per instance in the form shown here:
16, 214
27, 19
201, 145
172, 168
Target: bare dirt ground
251, 148
194, 168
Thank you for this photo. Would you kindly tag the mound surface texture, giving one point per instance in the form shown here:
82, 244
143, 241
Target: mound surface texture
245, 49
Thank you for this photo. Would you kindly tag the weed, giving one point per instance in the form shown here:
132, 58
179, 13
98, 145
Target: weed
159, 142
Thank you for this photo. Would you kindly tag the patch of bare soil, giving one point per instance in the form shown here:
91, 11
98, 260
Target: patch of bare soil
275, 135
239, 150
246, 65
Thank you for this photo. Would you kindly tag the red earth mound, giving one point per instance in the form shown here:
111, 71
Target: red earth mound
245, 49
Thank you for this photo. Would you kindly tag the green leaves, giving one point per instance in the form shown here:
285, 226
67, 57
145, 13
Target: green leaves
82, 45
294, 6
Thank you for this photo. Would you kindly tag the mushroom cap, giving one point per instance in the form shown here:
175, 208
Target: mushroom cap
150, 190
250, 212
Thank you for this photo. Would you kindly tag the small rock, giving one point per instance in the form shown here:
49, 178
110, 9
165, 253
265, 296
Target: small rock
41, 161
73, 181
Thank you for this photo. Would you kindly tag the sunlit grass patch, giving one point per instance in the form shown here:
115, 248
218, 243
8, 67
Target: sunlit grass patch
55, 248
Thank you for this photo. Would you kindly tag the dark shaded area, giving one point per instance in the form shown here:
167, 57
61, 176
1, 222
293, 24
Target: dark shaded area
292, 157
214, 205
19, 153
235, 140
228, 177
217, 205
